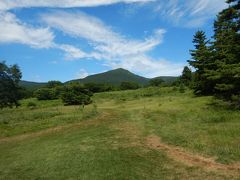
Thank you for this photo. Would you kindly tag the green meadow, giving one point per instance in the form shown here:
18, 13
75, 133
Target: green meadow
149, 133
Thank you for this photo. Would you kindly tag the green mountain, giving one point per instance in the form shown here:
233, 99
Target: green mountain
31, 85
114, 77
168, 79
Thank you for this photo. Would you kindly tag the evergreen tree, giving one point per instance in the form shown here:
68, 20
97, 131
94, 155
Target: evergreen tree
226, 48
201, 61
186, 76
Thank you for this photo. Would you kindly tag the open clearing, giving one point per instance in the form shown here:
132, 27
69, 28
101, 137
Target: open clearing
143, 134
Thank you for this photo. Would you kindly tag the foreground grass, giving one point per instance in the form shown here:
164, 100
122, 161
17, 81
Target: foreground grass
110, 144
46, 114
186, 121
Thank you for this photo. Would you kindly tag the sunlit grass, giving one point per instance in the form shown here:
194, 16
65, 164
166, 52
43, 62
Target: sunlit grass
110, 143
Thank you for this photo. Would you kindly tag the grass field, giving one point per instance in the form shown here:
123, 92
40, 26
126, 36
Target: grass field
153, 133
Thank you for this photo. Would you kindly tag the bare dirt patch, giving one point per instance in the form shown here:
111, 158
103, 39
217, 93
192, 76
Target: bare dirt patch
190, 159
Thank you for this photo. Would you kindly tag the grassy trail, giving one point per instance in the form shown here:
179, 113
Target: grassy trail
53, 129
128, 138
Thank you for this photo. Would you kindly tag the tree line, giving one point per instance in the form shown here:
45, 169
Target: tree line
71, 93
217, 60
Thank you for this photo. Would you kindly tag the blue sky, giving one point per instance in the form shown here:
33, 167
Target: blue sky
69, 39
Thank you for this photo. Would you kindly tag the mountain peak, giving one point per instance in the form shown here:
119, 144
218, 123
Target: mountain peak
115, 77
121, 69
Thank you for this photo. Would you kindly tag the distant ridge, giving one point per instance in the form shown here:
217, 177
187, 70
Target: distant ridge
167, 79
31, 85
114, 77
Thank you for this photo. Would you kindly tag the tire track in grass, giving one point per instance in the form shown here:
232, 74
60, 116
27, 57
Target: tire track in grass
178, 154
89, 122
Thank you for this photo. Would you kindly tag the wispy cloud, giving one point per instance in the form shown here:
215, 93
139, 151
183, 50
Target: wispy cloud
101, 36
81, 74
53, 62
189, 13
36, 78
72, 52
11, 4
109, 46
14, 31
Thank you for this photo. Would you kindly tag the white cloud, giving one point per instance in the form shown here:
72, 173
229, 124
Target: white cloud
36, 78
14, 31
53, 62
11, 4
191, 13
101, 36
111, 47
149, 67
72, 52
81, 74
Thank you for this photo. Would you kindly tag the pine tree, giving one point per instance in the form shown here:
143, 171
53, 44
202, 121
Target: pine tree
202, 62
226, 48
186, 76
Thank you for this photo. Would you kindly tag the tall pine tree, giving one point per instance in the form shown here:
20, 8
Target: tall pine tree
186, 77
226, 49
201, 61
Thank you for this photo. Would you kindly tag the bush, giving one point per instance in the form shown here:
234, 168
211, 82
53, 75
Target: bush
129, 86
182, 88
31, 105
235, 101
95, 88
53, 84
71, 98
156, 82
76, 94
45, 94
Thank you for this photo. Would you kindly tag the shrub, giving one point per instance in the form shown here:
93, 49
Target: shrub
76, 94
174, 88
182, 88
156, 82
235, 101
71, 98
129, 85
95, 88
53, 84
31, 105
45, 94
95, 109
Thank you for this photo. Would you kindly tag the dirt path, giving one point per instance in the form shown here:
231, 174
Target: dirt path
85, 123
189, 159
133, 133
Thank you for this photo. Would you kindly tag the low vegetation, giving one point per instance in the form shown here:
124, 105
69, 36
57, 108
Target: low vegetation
113, 138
